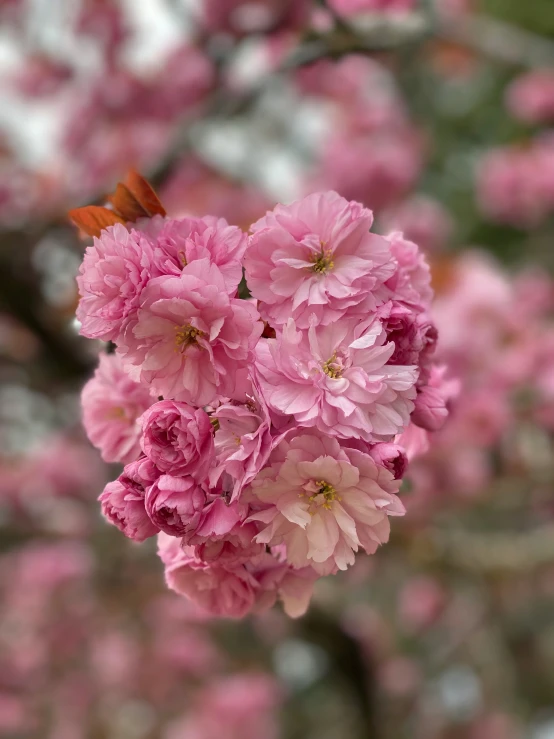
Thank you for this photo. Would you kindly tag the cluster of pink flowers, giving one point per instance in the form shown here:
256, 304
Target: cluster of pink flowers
109, 115
257, 391
515, 183
503, 359
74, 656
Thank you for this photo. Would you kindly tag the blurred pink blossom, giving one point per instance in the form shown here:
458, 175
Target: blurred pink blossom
356, 7
111, 405
531, 96
254, 16
423, 221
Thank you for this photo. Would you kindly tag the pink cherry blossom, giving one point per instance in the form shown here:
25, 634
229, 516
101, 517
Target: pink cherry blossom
414, 338
123, 501
390, 456
421, 601
531, 96
180, 241
193, 189
411, 282
243, 440
514, 184
218, 519
178, 439
317, 257
278, 580
218, 591
414, 441
422, 220
232, 587
175, 504
375, 167
337, 379
323, 502
246, 701
232, 549
114, 271
111, 404
190, 340
431, 405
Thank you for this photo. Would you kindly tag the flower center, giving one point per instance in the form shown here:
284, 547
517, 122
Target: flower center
332, 368
328, 493
323, 262
116, 413
186, 336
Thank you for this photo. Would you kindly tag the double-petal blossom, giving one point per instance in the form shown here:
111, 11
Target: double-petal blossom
336, 378
323, 502
317, 257
191, 341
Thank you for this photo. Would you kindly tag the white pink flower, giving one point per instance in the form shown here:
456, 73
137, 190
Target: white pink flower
191, 341
114, 271
317, 257
111, 404
178, 439
323, 502
337, 378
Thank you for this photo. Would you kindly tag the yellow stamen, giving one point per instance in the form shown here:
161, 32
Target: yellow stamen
186, 336
327, 491
331, 369
115, 413
323, 262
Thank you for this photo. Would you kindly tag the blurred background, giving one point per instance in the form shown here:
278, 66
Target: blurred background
437, 115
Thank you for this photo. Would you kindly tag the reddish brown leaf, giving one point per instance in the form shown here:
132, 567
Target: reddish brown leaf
92, 219
144, 193
126, 204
